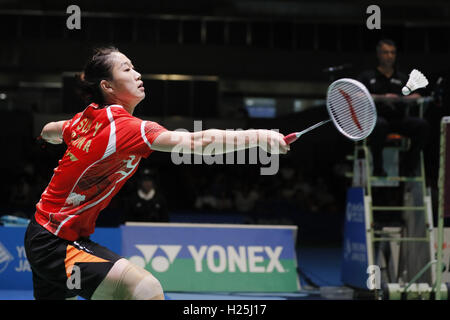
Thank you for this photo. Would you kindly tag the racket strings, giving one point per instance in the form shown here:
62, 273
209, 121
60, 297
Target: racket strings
352, 110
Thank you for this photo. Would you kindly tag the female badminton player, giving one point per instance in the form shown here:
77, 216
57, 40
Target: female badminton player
105, 144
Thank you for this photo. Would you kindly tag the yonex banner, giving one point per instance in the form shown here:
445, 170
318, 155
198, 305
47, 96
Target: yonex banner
355, 258
184, 257
201, 258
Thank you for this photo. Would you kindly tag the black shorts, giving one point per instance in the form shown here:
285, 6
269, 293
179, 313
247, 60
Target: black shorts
65, 269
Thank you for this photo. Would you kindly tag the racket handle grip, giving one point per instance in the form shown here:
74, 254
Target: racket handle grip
290, 138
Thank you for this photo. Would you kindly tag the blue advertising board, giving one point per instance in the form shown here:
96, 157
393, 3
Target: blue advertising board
201, 257
184, 257
355, 257
15, 271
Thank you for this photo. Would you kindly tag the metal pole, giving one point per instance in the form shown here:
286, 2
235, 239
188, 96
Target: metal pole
440, 237
419, 274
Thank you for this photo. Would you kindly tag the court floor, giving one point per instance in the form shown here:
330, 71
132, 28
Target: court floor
303, 295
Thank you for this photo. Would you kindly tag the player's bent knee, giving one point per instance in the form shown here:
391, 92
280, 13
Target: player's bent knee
126, 281
148, 288
139, 284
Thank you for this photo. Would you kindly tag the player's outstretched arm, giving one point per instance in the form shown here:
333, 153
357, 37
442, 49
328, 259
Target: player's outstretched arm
52, 132
214, 141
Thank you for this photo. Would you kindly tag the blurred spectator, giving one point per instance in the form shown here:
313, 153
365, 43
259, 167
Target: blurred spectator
324, 198
288, 184
214, 192
147, 204
205, 201
245, 197
22, 197
221, 189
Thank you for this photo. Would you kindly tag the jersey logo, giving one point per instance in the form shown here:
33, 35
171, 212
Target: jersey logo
129, 165
75, 199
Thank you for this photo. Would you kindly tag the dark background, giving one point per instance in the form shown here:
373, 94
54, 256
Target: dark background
226, 50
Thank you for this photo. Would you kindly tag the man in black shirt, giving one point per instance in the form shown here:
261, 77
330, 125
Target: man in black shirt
385, 84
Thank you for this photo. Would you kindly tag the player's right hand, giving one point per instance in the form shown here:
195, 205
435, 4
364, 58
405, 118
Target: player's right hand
272, 142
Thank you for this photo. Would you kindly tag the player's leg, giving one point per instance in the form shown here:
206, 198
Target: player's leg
104, 275
126, 281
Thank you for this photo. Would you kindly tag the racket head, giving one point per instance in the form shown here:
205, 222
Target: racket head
351, 108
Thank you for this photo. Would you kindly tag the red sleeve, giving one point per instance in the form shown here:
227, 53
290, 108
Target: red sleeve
66, 131
136, 136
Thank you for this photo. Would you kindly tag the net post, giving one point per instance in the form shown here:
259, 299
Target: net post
441, 186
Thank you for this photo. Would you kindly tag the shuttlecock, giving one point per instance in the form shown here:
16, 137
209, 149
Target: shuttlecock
416, 81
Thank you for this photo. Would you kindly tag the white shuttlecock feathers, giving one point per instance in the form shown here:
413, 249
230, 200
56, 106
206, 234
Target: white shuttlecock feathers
416, 81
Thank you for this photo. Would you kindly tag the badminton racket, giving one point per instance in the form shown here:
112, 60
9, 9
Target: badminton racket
351, 109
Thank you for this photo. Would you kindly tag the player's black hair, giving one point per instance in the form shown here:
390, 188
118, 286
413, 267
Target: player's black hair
98, 67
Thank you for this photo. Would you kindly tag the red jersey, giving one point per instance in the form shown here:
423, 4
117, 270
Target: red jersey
104, 148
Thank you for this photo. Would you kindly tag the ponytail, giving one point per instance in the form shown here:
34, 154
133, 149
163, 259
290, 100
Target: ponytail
98, 67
